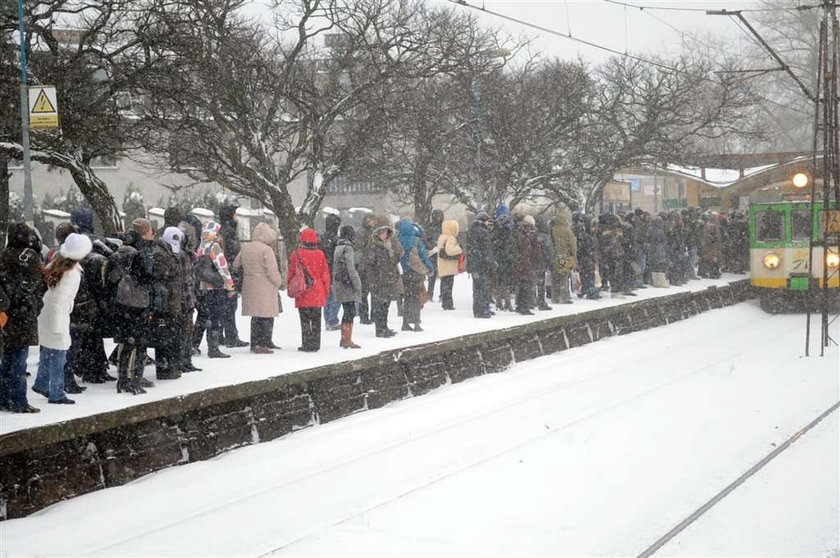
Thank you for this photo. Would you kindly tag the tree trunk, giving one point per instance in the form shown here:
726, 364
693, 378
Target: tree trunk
97, 195
287, 219
5, 210
420, 192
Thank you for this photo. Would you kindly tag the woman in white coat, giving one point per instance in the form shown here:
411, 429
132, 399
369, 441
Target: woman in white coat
62, 276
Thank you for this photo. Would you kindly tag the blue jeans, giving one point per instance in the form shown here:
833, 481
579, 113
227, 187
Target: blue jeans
331, 311
13, 378
50, 376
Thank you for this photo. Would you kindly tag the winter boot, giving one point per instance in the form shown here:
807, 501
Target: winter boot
213, 346
347, 337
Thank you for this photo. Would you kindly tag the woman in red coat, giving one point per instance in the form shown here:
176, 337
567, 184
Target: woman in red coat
310, 258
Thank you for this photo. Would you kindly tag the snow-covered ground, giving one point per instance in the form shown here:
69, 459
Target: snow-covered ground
245, 366
599, 450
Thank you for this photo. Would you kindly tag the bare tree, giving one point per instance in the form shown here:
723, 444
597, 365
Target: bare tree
82, 49
641, 113
253, 109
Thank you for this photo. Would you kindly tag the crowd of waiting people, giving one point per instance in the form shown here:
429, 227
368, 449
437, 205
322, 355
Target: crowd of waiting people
171, 288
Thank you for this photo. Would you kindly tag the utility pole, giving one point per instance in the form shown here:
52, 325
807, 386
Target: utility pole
28, 205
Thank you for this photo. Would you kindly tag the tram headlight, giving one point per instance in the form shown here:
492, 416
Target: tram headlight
771, 260
832, 260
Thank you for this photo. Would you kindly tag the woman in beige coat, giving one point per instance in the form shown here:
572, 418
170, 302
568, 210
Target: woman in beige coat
260, 283
448, 251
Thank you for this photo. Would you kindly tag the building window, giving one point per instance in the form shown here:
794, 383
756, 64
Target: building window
104, 162
342, 185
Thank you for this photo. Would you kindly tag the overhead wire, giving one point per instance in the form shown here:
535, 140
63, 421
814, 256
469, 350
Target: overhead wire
678, 9
572, 38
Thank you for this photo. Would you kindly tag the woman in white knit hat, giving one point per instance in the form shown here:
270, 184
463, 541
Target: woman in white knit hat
62, 276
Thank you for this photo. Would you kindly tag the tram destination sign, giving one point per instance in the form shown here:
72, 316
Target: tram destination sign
832, 221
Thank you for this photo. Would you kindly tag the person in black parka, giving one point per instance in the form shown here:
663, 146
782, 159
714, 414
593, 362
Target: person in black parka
21, 278
481, 263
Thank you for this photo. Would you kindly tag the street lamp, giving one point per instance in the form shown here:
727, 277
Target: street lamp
801, 180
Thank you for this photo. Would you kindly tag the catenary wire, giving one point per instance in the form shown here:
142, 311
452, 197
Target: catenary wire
676, 9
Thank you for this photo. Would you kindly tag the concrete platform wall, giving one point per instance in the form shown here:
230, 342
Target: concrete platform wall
43, 465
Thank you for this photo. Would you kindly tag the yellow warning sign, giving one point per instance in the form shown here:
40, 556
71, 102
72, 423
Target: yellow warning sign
43, 108
42, 104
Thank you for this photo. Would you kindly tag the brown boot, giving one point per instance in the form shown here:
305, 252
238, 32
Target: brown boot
347, 337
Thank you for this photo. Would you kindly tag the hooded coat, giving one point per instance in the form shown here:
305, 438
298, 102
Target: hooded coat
261, 274
310, 257
409, 238
345, 259
528, 262
23, 282
382, 263
448, 249
546, 243
565, 243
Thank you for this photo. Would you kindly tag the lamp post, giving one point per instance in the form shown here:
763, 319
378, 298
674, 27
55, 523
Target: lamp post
28, 206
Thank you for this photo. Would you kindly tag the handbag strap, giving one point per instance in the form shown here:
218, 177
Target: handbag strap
302, 267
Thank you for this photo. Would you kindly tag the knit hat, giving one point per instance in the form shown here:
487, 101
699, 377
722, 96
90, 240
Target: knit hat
82, 218
173, 236
76, 246
141, 226
482, 217
529, 220
210, 230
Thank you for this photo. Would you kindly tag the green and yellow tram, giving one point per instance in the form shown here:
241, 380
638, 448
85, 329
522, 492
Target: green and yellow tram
781, 265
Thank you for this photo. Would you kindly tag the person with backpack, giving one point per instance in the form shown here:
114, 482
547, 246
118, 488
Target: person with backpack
260, 284
309, 285
23, 281
62, 277
415, 264
346, 284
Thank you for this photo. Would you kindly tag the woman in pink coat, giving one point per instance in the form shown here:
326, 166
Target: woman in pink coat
309, 260
260, 283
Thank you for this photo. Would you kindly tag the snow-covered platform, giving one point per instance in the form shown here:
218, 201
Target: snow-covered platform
598, 451
109, 439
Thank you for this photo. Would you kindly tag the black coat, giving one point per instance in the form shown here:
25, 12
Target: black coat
168, 285
480, 255
22, 280
503, 253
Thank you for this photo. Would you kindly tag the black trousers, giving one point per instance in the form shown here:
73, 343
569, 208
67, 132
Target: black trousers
231, 334
446, 285
348, 313
379, 312
86, 357
262, 331
167, 331
364, 307
525, 292
481, 295
186, 338
211, 306
310, 328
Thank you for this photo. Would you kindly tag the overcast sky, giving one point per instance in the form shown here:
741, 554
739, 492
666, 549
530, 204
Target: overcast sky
617, 27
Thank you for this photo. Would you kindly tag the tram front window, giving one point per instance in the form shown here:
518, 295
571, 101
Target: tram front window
801, 224
770, 226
